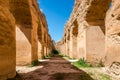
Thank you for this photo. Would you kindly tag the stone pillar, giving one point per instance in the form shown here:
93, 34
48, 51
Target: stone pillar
34, 42
74, 46
34, 35
40, 43
7, 44
45, 45
81, 42
71, 45
63, 47
64, 44
95, 33
39, 50
74, 39
26, 30
67, 47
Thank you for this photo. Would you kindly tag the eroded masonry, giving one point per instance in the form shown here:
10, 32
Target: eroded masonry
24, 35
93, 32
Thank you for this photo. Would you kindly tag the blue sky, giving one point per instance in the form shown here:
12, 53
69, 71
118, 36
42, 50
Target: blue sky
57, 13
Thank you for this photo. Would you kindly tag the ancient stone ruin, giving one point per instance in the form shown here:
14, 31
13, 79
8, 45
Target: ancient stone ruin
24, 35
93, 32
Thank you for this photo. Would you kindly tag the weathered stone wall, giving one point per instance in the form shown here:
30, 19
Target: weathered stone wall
24, 35
7, 42
34, 16
22, 14
92, 34
25, 13
95, 45
113, 33
31, 26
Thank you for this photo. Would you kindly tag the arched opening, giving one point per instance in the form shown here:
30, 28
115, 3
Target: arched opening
18, 35
40, 42
23, 23
65, 38
26, 31
97, 12
45, 43
68, 43
96, 31
74, 39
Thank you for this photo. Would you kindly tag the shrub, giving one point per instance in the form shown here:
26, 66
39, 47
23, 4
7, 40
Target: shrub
62, 55
48, 56
105, 77
101, 64
34, 63
81, 63
55, 51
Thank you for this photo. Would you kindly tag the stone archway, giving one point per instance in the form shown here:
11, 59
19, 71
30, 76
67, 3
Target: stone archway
19, 33
45, 43
68, 43
65, 44
23, 32
40, 41
74, 39
7, 43
26, 31
95, 33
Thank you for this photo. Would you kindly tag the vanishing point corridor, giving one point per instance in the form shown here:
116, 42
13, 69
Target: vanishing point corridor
56, 68
84, 31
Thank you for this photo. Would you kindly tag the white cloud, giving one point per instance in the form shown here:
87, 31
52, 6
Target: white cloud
41, 10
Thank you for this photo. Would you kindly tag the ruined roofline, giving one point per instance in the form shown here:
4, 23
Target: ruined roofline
74, 10
71, 19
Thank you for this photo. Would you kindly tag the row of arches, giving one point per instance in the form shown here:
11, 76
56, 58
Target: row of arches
24, 35
93, 32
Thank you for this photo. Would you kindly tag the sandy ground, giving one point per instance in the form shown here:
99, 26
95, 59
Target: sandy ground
55, 68
100, 73
58, 68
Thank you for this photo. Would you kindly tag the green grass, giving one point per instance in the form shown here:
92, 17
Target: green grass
96, 74
62, 55
93, 71
100, 64
65, 56
69, 58
104, 77
34, 63
48, 56
81, 63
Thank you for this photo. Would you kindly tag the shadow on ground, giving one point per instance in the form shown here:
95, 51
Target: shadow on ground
56, 68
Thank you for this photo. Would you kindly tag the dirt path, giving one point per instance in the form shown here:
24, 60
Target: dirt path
56, 68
